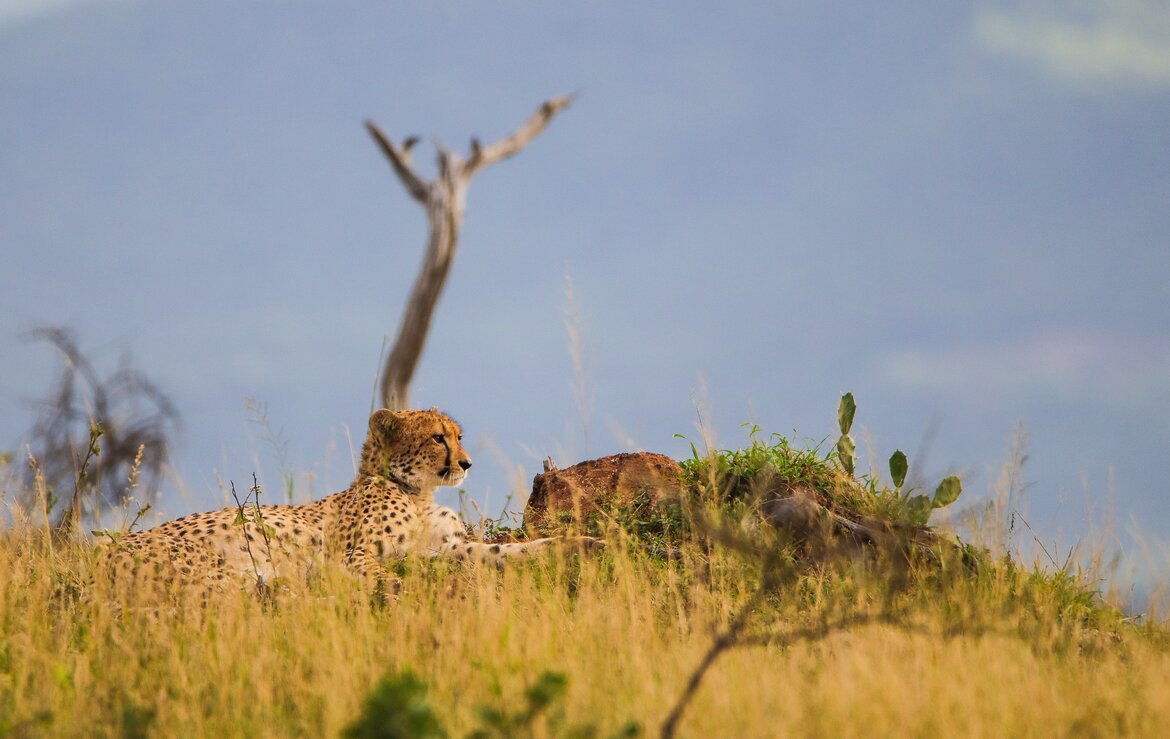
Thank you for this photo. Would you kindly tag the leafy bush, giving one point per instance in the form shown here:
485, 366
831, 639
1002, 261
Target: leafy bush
773, 464
397, 708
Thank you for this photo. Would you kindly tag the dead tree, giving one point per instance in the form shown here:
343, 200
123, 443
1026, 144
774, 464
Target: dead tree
134, 420
444, 199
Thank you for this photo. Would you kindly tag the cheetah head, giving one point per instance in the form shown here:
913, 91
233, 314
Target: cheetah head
417, 449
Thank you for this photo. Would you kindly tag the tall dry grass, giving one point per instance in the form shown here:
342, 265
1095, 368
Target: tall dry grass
1008, 652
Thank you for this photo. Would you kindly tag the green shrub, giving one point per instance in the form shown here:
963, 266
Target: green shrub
397, 708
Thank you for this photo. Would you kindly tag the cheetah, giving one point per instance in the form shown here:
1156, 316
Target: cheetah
387, 513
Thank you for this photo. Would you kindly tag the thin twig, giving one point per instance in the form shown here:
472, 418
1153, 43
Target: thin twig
722, 643
260, 523
242, 520
141, 512
72, 517
1017, 514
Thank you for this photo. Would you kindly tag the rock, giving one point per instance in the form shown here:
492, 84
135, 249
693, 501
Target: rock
598, 484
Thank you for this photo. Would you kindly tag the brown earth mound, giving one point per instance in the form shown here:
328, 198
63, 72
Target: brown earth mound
645, 479
610, 481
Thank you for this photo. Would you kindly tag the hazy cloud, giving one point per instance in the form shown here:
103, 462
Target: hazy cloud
1130, 373
1085, 42
16, 11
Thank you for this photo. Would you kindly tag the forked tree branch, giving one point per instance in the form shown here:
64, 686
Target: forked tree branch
484, 156
400, 160
444, 200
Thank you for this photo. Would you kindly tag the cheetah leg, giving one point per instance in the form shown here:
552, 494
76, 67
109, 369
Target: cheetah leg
459, 548
370, 569
447, 537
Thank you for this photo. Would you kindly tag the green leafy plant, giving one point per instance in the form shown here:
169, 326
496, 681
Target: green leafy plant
538, 698
397, 708
137, 720
915, 509
541, 699
771, 464
920, 507
734, 471
846, 447
899, 466
659, 525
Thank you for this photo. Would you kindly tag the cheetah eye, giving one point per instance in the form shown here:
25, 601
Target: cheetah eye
438, 438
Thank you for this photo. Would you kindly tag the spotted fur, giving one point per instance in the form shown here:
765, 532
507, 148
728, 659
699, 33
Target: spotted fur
388, 512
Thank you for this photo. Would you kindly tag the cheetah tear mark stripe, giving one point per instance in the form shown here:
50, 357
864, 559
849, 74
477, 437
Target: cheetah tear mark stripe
445, 472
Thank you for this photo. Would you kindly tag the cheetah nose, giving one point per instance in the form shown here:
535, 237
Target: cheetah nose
465, 464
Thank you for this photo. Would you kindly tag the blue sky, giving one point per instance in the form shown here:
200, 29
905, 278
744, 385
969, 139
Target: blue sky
957, 211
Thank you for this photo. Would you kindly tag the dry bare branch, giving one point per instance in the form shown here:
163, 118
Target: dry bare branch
445, 201
136, 420
485, 156
400, 160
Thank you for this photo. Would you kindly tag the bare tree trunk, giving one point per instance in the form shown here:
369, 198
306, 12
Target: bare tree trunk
445, 200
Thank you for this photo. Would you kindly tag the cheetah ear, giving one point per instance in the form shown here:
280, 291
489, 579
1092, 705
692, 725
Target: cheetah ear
384, 420
434, 409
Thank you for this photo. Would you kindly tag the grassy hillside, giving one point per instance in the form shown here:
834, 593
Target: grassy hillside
584, 646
